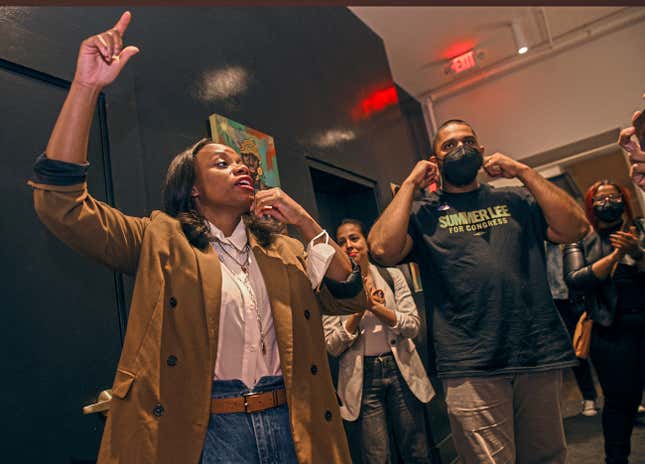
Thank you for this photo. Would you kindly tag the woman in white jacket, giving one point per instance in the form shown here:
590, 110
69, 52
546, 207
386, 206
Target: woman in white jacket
381, 378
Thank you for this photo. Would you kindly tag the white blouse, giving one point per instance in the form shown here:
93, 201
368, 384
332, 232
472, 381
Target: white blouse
239, 347
377, 341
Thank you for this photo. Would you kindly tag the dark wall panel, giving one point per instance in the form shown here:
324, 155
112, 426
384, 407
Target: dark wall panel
306, 70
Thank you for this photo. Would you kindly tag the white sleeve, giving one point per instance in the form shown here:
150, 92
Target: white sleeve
337, 338
407, 315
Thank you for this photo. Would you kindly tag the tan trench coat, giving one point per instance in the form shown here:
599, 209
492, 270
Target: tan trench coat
160, 409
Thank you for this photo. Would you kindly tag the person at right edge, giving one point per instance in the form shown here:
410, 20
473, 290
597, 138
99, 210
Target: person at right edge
500, 343
608, 269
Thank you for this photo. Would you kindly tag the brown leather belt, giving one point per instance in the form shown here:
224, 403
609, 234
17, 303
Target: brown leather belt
253, 402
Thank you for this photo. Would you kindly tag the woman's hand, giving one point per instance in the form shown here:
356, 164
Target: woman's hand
627, 243
375, 298
102, 57
280, 206
376, 304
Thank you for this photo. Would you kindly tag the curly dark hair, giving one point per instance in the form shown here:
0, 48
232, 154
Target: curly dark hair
179, 203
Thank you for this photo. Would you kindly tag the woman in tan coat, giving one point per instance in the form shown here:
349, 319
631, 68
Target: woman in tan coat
224, 356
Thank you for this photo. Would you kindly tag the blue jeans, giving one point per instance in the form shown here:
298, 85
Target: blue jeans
258, 438
388, 405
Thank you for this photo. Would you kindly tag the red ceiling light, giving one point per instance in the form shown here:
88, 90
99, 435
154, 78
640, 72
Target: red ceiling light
375, 102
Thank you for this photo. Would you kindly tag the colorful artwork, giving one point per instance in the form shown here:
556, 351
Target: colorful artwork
256, 149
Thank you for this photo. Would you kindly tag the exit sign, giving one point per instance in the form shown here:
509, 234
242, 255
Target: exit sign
463, 62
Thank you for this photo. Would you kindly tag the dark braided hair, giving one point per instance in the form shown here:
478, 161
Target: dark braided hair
179, 203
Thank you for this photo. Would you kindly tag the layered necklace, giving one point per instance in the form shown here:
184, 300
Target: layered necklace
243, 280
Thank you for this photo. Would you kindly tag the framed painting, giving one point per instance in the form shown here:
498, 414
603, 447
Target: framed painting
256, 148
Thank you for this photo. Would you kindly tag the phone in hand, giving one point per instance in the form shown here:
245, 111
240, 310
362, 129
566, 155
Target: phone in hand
639, 125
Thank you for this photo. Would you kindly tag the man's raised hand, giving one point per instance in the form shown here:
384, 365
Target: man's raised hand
423, 174
500, 165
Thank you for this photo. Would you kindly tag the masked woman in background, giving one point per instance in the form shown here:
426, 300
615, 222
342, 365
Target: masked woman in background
608, 269
224, 358
381, 382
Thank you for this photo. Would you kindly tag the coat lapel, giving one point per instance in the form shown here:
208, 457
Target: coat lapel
210, 278
276, 279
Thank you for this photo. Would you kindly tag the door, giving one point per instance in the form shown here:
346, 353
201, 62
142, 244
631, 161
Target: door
341, 194
62, 313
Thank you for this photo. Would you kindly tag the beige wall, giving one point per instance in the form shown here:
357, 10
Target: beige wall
566, 97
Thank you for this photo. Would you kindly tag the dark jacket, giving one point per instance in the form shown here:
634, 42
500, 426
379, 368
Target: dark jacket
598, 296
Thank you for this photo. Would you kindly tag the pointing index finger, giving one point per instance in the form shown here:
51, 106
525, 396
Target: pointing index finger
122, 23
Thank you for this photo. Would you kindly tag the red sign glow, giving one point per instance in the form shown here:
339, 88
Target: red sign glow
375, 102
463, 62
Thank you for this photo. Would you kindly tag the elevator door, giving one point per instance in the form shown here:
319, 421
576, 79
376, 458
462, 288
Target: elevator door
341, 195
61, 326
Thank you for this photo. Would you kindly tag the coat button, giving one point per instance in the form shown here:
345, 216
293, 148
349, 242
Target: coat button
158, 410
173, 301
392, 342
307, 314
328, 415
314, 369
172, 360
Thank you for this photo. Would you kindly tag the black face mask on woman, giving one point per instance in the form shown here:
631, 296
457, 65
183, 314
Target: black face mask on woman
609, 211
461, 165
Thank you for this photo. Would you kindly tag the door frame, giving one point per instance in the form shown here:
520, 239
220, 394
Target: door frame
344, 174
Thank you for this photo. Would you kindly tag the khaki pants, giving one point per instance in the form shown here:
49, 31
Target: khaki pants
513, 418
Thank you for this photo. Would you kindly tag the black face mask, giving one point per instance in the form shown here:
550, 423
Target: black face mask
609, 211
461, 165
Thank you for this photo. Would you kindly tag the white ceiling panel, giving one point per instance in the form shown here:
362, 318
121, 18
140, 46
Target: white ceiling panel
420, 41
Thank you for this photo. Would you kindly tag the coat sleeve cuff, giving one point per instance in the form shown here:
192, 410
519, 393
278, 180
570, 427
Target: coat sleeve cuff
60, 173
348, 288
